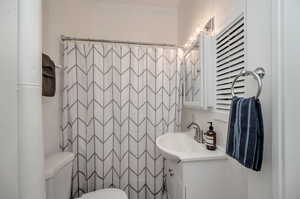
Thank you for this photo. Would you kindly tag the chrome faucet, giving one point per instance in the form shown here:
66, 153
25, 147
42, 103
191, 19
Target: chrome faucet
199, 135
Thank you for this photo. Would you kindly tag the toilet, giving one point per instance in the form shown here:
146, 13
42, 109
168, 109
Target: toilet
58, 174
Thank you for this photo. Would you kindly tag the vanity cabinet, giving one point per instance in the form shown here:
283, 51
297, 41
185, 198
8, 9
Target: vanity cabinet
198, 179
191, 170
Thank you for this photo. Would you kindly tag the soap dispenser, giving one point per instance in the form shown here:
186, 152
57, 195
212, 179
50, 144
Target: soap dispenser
211, 138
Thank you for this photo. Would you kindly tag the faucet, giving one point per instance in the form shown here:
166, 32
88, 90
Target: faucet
199, 135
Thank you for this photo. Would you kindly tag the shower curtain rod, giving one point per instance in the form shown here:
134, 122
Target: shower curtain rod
65, 38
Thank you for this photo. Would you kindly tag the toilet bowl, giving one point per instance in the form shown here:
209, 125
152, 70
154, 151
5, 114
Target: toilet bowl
58, 174
105, 194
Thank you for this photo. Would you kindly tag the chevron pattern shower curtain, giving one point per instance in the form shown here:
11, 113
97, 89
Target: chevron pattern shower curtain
117, 99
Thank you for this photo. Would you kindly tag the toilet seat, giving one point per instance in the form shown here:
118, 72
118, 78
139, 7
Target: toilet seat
105, 194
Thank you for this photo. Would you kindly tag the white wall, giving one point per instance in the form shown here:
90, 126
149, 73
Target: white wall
30, 135
8, 100
96, 19
259, 54
290, 72
194, 13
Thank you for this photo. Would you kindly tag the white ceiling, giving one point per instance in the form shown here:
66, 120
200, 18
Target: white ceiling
156, 3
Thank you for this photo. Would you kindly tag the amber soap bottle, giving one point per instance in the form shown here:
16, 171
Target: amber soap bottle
211, 138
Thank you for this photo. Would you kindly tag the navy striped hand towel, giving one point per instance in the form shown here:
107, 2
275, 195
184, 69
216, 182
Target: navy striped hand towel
245, 140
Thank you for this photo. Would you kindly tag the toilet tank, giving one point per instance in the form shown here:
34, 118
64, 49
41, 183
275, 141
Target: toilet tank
58, 174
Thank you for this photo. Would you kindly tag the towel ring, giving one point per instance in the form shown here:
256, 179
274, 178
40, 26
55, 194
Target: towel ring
258, 74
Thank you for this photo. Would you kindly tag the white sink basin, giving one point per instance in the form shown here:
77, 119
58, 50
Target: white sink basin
181, 146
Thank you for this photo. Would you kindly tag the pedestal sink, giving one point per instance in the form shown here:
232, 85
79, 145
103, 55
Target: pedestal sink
181, 146
192, 169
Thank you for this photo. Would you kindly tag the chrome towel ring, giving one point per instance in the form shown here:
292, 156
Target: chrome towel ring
258, 74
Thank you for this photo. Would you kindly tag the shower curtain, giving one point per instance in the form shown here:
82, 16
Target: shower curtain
117, 99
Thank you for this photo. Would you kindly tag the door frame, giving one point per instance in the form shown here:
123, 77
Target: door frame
277, 101
9, 152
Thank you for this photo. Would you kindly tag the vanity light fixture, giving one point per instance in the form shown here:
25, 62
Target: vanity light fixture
209, 27
198, 30
192, 39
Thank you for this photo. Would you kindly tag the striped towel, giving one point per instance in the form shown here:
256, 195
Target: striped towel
245, 138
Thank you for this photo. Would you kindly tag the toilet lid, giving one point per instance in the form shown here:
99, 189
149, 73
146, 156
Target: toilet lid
105, 194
